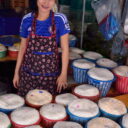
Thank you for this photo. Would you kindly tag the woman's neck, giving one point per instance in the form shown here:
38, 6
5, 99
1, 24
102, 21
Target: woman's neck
43, 15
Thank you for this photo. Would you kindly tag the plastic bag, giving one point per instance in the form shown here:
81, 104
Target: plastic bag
120, 46
126, 24
108, 16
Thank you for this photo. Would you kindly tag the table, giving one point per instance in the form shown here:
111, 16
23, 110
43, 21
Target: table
7, 58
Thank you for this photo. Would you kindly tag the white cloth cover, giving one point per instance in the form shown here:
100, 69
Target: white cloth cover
73, 56
92, 55
106, 63
34, 126
83, 64
125, 121
11, 101
25, 116
101, 74
102, 122
65, 99
86, 90
67, 124
112, 106
14, 48
83, 108
53, 111
38, 97
2, 48
4, 120
121, 70
76, 50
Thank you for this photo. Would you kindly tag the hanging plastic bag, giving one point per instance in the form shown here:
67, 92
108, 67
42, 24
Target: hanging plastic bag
120, 46
126, 24
108, 16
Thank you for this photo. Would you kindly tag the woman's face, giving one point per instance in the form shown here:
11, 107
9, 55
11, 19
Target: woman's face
45, 5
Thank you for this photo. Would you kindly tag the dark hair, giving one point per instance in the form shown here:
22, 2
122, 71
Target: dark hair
33, 5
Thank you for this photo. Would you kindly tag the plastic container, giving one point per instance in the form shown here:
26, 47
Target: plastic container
37, 98
124, 121
80, 69
3, 51
82, 110
67, 124
10, 102
5, 121
34, 126
106, 63
28, 117
112, 108
72, 40
102, 122
22, 126
65, 99
51, 114
103, 85
92, 56
13, 51
121, 82
86, 91
72, 56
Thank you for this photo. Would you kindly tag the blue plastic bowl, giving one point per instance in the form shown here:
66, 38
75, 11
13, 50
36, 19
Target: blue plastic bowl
92, 60
80, 75
6, 111
110, 116
103, 86
109, 68
72, 43
81, 120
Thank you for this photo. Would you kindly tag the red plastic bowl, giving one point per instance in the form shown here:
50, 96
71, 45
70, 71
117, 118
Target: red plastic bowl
13, 54
92, 98
22, 126
50, 123
121, 84
35, 106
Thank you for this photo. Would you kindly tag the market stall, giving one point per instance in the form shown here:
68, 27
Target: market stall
96, 95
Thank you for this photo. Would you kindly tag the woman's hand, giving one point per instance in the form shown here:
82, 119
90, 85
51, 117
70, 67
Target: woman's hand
19, 61
61, 83
16, 80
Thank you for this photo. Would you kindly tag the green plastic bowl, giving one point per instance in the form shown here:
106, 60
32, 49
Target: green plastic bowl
2, 54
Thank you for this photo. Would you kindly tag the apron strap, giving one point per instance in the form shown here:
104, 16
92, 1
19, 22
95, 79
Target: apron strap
53, 24
33, 28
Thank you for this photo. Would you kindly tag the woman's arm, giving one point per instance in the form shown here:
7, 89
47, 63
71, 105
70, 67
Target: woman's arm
62, 80
65, 53
19, 61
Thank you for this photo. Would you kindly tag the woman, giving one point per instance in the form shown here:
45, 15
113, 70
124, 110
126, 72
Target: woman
38, 64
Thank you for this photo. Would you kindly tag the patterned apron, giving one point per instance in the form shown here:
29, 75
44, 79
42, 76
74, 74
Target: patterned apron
40, 67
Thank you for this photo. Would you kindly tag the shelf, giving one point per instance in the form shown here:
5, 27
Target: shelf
7, 58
